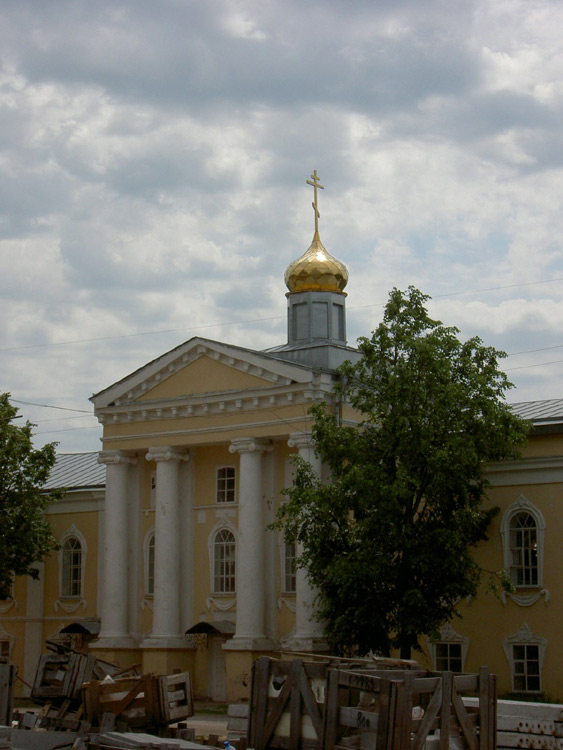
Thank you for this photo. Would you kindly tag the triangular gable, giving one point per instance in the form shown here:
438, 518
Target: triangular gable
150, 379
204, 375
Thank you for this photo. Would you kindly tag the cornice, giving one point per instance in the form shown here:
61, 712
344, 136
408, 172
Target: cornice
294, 423
222, 403
540, 470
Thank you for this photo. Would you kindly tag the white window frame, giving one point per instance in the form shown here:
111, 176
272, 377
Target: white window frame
525, 595
72, 533
525, 637
285, 574
450, 636
211, 543
228, 495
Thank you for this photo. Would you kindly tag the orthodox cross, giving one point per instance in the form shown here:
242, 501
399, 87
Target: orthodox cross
314, 181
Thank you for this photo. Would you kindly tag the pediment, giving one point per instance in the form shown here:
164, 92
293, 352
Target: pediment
203, 375
198, 367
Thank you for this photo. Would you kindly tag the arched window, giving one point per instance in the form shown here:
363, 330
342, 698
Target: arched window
523, 534
224, 550
289, 568
523, 550
71, 581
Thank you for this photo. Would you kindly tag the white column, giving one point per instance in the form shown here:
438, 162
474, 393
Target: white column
250, 578
166, 601
308, 635
114, 630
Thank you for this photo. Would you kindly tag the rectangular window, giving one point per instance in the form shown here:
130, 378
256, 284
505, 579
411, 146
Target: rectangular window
289, 569
226, 484
526, 661
448, 657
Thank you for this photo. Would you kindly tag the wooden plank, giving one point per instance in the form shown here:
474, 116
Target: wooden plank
384, 728
432, 712
295, 704
330, 717
466, 683
275, 715
358, 681
310, 702
358, 718
259, 702
467, 726
445, 710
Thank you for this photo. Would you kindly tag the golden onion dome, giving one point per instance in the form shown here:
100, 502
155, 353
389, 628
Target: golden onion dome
316, 271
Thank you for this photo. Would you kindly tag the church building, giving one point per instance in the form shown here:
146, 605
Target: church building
198, 447
175, 568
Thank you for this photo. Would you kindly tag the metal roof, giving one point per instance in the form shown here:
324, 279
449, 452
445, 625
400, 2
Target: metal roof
540, 412
75, 471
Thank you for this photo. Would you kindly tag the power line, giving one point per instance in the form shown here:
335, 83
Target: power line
538, 364
50, 406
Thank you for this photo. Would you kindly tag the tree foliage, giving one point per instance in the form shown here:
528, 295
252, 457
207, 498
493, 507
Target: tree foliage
387, 541
25, 536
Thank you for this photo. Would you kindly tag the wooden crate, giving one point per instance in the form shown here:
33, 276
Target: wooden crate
286, 704
375, 712
132, 700
175, 695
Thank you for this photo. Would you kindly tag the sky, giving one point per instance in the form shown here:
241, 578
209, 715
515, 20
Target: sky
153, 167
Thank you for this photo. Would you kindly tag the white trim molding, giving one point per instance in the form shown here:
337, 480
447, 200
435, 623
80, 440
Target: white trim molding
70, 604
449, 635
524, 637
524, 596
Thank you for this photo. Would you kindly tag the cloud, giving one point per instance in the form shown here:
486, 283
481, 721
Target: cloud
153, 160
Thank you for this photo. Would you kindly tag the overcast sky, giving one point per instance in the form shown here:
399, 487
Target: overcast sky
154, 157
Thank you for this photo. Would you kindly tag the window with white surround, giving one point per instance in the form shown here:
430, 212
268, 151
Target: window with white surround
72, 572
288, 582
449, 651
523, 535
72, 568
224, 552
225, 484
525, 652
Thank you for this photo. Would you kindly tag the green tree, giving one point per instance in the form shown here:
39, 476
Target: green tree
25, 536
387, 541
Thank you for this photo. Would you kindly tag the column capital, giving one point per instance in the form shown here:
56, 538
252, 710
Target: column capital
301, 440
249, 445
115, 457
166, 453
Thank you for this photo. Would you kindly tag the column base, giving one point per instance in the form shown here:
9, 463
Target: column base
308, 643
163, 641
114, 642
249, 643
